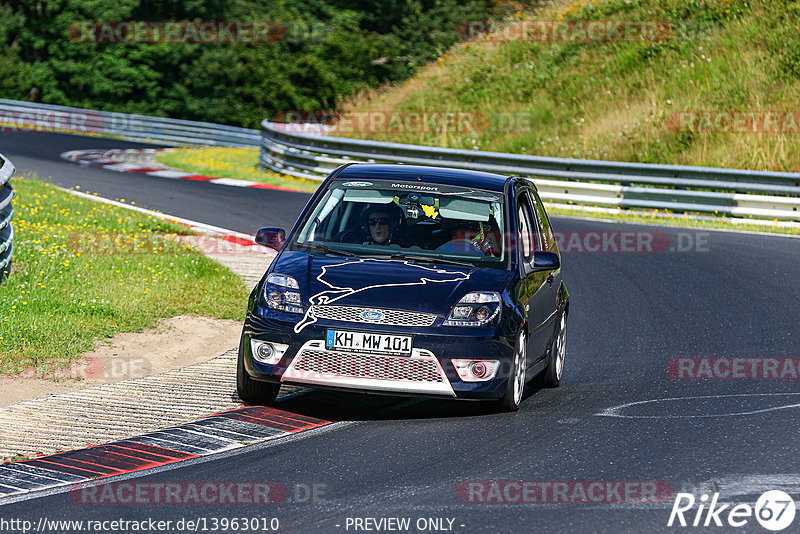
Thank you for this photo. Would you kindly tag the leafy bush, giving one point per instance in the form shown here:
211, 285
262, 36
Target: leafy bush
331, 49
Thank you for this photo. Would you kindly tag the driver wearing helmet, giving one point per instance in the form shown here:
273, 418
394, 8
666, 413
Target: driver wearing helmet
382, 223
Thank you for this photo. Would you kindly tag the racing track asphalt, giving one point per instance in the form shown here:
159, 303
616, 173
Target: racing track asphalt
630, 313
226, 207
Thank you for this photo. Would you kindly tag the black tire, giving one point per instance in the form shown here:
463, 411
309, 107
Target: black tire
552, 374
249, 390
516, 377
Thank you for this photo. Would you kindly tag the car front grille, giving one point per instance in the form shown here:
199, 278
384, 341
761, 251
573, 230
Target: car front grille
354, 314
369, 366
420, 373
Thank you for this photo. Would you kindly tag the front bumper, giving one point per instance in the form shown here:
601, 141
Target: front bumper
429, 371
420, 374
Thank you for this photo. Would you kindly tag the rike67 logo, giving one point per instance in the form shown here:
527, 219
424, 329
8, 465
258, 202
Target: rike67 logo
774, 510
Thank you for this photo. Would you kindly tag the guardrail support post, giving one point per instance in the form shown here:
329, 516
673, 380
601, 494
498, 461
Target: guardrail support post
6, 212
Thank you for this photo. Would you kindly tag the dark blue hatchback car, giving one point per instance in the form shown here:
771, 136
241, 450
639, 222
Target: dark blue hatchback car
410, 280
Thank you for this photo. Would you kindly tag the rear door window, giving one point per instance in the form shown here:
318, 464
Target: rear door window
543, 224
527, 234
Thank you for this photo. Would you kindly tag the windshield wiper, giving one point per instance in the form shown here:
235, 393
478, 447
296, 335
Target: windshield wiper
429, 259
325, 249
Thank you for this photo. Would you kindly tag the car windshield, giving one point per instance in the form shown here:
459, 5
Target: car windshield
411, 220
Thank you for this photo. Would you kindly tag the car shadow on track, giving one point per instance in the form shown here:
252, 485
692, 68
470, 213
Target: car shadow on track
347, 406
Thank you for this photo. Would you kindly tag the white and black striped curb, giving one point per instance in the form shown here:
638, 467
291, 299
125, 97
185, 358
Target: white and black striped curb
224, 431
125, 160
119, 410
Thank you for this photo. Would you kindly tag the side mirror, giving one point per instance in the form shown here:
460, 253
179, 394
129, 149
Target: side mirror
271, 237
545, 261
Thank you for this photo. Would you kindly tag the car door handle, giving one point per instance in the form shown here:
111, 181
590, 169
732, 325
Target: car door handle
550, 279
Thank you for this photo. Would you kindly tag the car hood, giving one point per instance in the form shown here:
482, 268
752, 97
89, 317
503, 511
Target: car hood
385, 283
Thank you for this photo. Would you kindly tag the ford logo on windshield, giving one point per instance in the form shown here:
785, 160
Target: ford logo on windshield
357, 184
372, 315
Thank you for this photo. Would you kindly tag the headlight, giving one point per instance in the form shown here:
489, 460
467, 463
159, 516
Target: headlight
282, 292
478, 308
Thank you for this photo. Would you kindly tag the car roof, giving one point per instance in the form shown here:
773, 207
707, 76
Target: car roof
429, 175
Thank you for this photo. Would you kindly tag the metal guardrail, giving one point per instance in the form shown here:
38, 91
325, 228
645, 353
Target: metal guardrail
15, 114
734, 192
6, 212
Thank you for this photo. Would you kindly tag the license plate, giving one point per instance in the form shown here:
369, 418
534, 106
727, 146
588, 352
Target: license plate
364, 342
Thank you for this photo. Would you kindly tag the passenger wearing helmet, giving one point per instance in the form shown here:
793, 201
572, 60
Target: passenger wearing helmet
382, 224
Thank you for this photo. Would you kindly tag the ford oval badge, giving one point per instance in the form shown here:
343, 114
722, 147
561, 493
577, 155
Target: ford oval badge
372, 315
357, 184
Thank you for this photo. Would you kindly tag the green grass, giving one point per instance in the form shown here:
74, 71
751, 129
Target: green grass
229, 162
617, 100
84, 271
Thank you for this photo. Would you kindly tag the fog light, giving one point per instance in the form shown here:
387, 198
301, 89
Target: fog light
479, 370
476, 370
267, 352
264, 352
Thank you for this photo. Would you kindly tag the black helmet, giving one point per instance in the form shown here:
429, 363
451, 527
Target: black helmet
396, 215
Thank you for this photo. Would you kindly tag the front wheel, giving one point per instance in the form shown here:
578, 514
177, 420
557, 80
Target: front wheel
551, 376
516, 379
249, 390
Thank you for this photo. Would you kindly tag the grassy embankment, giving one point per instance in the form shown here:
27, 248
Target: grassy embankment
618, 100
615, 100
84, 271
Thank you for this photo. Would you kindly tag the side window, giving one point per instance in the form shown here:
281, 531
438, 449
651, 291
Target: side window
545, 231
526, 228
